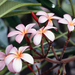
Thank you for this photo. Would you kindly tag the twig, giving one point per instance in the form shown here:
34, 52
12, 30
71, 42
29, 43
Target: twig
38, 70
64, 70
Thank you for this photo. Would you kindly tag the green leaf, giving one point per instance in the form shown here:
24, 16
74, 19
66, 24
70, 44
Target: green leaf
48, 4
2, 1
8, 6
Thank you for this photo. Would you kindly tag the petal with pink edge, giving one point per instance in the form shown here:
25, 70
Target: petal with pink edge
20, 27
31, 31
22, 49
9, 58
8, 48
55, 17
17, 65
50, 23
70, 28
37, 39
2, 65
50, 35
2, 55
51, 14
28, 58
42, 19
14, 50
10, 67
19, 38
12, 33
41, 13
63, 21
29, 26
68, 17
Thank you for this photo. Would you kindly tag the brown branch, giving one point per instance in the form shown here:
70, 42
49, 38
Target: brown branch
38, 70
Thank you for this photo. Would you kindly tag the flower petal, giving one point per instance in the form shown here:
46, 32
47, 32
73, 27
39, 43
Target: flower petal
2, 65
37, 39
12, 33
19, 38
31, 31
14, 50
28, 58
2, 55
20, 27
41, 13
68, 17
50, 35
42, 19
50, 23
63, 21
8, 48
71, 28
55, 17
29, 26
17, 65
10, 67
51, 14
22, 49
74, 20
9, 58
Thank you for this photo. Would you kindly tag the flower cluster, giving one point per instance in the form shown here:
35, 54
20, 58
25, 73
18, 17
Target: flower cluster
13, 58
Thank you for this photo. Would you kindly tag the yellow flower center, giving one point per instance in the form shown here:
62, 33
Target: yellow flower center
42, 31
71, 23
24, 32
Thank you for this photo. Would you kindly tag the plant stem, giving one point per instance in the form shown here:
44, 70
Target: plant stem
72, 7
59, 3
64, 70
68, 37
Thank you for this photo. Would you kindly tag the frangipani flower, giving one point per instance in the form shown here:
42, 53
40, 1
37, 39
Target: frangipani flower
22, 30
3, 56
46, 17
68, 20
17, 56
38, 34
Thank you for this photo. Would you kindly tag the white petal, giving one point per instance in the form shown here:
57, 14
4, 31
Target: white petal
63, 21
50, 35
68, 17
20, 27
50, 23
19, 38
28, 58
2, 65
37, 39
41, 13
71, 28
10, 67
51, 14
8, 48
42, 19
17, 65
22, 48
31, 31
74, 20
55, 17
14, 50
8, 59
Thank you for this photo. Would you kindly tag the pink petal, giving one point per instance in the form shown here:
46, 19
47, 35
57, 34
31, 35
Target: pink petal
22, 49
43, 8
31, 31
14, 50
55, 17
10, 67
12, 33
32, 35
41, 13
63, 21
50, 23
17, 65
50, 35
37, 39
42, 19
29, 26
28, 58
74, 20
8, 48
9, 58
51, 14
71, 28
20, 27
2, 55
68, 17
19, 38
2, 65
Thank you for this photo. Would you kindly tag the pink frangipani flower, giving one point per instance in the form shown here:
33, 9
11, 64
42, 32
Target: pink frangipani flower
46, 17
68, 20
38, 34
17, 56
22, 30
3, 56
